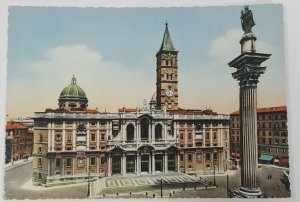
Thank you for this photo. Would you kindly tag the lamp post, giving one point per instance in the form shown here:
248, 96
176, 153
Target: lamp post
214, 175
227, 187
161, 188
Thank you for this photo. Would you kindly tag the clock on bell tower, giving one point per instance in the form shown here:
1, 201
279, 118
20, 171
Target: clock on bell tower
167, 74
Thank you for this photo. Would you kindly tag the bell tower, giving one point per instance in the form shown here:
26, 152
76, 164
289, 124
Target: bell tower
167, 74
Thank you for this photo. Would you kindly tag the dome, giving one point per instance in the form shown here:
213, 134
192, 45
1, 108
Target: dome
72, 91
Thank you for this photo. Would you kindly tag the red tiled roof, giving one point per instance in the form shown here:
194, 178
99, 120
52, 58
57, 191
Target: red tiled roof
56, 110
91, 110
124, 109
265, 110
192, 111
15, 125
72, 110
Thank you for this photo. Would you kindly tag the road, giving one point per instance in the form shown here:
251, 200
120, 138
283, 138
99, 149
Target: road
270, 187
17, 177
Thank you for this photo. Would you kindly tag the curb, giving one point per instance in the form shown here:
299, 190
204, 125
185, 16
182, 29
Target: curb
17, 165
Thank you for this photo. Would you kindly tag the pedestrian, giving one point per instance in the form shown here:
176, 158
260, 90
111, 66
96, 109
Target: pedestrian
270, 176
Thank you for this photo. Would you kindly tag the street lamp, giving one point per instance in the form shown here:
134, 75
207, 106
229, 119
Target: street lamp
227, 187
214, 175
161, 188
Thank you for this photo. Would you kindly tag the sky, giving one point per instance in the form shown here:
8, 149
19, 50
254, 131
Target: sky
111, 52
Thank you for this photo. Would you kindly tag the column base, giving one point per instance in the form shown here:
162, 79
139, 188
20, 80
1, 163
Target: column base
244, 192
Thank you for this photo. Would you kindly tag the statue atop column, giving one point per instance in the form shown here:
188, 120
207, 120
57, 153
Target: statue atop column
145, 105
248, 38
247, 20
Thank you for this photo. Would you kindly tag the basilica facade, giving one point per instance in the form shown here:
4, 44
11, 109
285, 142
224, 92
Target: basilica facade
73, 143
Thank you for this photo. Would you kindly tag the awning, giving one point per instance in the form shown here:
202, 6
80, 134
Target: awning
265, 157
284, 161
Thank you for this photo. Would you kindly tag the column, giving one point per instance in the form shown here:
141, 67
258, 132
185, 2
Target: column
218, 161
165, 130
88, 164
49, 166
150, 130
166, 162
109, 168
63, 139
178, 161
211, 134
97, 163
153, 162
153, 133
219, 135
74, 139
138, 164
204, 161
52, 136
135, 166
97, 136
63, 166
122, 132
123, 164
49, 139
248, 137
110, 128
248, 70
64, 136
149, 164
211, 159
204, 135
88, 137
134, 134
138, 131
175, 129
73, 165
193, 134
185, 135
185, 160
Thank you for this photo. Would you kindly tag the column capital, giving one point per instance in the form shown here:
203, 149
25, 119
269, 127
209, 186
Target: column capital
248, 75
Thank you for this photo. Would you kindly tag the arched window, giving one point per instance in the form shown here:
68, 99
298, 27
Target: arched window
158, 132
130, 132
145, 129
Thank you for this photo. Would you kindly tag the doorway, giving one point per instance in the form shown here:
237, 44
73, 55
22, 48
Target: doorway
145, 163
116, 165
159, 163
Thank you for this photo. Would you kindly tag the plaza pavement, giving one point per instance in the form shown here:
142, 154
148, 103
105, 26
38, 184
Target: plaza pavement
144, 184
18, 186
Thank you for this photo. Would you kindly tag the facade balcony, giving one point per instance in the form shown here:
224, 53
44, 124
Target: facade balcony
134, 144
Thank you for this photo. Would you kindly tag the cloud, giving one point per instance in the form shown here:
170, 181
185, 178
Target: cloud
211, 84
76, 57
227, 46
108, 84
